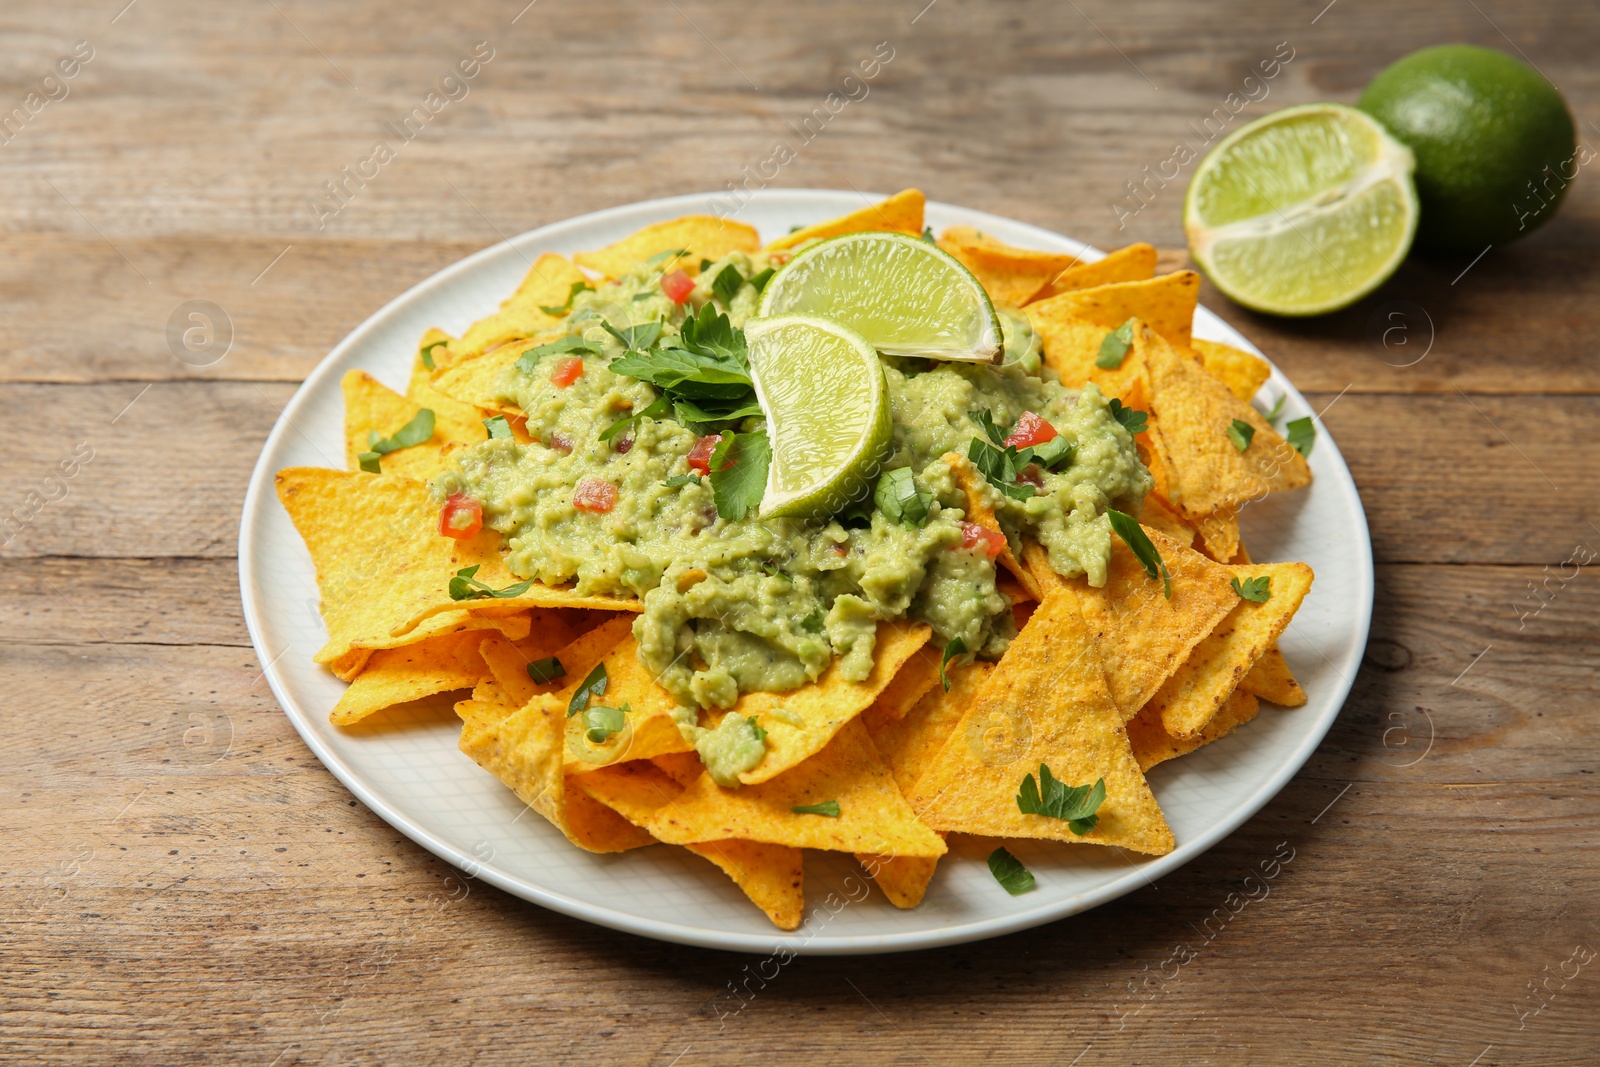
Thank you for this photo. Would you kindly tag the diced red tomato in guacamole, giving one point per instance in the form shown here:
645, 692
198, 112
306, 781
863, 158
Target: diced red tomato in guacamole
595, 495
700, 454
1031, 430
461, 518
677, 285
989, 542
568, 370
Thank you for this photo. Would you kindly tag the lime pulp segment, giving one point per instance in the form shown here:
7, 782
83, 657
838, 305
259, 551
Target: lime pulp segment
906, 296
822, 389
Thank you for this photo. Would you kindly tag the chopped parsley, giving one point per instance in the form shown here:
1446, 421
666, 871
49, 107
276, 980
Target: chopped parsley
418, 430
546, 670
739, 473
1114, 349
464, 586
1128, 528
498, 427
678, 480
772, 570
760, 280
1132, 421
1076, 804
599, 723
426, 353
830, 808
369, 462
1302, 435
898, 497
593, 686
1240, 433
955, 647
1013, 877
562, 346
1256, 590
562, 309
726, 285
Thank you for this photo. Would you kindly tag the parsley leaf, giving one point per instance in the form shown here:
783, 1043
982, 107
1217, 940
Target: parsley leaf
599, 723
1132, 421
1000, 467
427, 353
727, 284
1128, 528
1302, 435
954, 647
1115, 347
464, 586
636, 338
1256, 590
1049, 455
546, 670
755, 728
927, 235
666, 254
898, 497
562, 309
713, 334
1277, 409
739, 473
812, 623
654, 411
561, 346
760, 280
772, 570
830, 808
369, 462
704, 263
985, 419
418, 430
593, 686
682, 479
498, 427
1240, 433
1049, 797
1013, 877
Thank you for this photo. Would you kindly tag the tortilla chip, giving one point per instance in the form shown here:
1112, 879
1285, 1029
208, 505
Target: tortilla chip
901, 213
980, 511
394, 676
346, 662
1166, 303
1008, 274
825, 705
1045, 703
370, 407
873, 817
1152, 744
909, 746
453, 420
1143, 637
1188, 700
1242, 372
903, 879
915, 677
1190, 413
548, 282
699, 236
1134, 263
770, 875
681, 767
549, 632
649, 728
1219, 534
1158, 516
480, 381
1271, 679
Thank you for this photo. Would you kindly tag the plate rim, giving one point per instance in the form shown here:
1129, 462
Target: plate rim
259, 492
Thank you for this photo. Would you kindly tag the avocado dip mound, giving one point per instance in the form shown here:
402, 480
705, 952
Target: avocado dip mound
616, 489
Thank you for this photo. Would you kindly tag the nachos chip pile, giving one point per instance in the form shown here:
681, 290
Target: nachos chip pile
1100, 684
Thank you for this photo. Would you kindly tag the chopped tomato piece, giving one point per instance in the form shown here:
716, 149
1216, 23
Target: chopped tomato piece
1031, 430
843, 550
594, 495
568, 370
989, 542
461, 518
561, 443
677, 285
700, 454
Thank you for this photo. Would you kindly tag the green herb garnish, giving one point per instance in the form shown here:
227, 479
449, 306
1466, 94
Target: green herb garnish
599, 723
418, 430
726, 285
546, 670
638, 337
369, 462
1013, 877
464, 586
562, 309
830, 808
927, 235
1000, 467
1277, 409
593, 686
1302, 435
666, 254
812, 623
1076, 804
561, 346
1256, 590
761, 279
655, 410
426, 353
498, 427
898, 497
772, 570
739, 473
682, 479
1128, 528
1132, 421
985, 419
1240, 433
954, 647
1114, 349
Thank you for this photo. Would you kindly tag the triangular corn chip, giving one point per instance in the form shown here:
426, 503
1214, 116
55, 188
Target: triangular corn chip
1046, 703
1191, 412
901, 213
1152, 744
1188, 700
770, 875
1271, 679
547, 284
481, 381
1219, 534
980, 510
1166, 303
1142, 636
915, 677
550, 630
394, 676
693, 237
1158, 516
370, 407
1010, 275
347, 661
649, 729
1242, 372
1133, 263
873, 817
903, 879
800, 722
909, 745
454, 420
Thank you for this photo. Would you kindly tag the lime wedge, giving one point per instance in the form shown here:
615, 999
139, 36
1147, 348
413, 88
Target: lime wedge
1302, 211
906, 296
821, 388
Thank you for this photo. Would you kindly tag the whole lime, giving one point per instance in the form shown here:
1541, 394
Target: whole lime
1493, 139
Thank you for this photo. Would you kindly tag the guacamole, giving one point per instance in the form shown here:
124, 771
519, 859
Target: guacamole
732, 605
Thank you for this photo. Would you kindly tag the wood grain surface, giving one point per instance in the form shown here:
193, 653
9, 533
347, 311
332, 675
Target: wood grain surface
181, 882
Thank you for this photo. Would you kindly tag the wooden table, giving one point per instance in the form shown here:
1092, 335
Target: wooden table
182, 882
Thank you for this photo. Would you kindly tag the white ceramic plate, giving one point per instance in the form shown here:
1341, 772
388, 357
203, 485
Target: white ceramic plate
412, 775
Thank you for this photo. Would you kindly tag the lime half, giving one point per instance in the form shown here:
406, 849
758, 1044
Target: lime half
821, 388
1302, 211
906, 296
